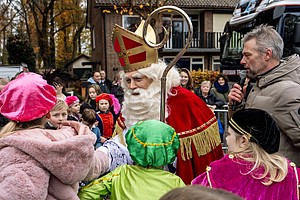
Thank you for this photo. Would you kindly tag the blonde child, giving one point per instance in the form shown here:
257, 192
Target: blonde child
259, 171
73, 108
107, 115
58, 115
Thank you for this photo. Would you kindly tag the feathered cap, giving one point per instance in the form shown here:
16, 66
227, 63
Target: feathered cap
113, 101
152, 143
132, 51
26, 98
259, 126
70, 100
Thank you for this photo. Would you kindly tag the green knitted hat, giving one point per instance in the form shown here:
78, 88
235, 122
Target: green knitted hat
152, 143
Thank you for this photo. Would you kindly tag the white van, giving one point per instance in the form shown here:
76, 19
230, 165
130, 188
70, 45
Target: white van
9, 71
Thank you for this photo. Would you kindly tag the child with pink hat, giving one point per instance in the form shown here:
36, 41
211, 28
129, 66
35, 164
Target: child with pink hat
108, 111
74, 107
39, 163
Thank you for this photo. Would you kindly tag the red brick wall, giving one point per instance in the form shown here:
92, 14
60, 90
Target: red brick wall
208, 21
111, 56
103, 24
96, 22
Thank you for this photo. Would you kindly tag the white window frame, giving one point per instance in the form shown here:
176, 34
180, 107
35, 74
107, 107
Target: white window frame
215, 60
124, 17
198, 62
191, 61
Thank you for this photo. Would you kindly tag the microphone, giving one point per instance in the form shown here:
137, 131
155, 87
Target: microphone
243, 76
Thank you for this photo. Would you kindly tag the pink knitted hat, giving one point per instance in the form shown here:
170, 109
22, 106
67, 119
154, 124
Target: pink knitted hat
70, 100
26, 98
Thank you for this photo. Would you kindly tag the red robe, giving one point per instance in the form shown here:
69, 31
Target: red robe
197, 127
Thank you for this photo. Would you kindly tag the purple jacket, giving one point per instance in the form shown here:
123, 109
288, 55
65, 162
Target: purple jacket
229, 174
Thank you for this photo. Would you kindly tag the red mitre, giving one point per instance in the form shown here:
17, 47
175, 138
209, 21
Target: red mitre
132, 51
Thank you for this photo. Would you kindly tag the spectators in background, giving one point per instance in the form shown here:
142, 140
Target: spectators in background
105, 84
117, 89
73, 108
210, 99
220, 88
95, 79
186, 80
90, 102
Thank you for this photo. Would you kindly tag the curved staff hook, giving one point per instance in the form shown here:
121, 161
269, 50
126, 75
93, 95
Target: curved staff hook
162, 43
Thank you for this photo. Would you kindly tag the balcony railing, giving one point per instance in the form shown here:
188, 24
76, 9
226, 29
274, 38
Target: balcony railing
199, 40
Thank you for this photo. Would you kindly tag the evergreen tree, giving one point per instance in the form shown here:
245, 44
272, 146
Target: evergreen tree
20, 51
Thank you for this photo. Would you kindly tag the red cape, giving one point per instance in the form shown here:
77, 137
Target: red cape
197, 127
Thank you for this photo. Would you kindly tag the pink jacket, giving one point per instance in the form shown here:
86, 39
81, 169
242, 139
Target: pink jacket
48, 164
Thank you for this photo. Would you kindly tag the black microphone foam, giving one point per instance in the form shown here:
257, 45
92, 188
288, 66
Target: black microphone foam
243, 76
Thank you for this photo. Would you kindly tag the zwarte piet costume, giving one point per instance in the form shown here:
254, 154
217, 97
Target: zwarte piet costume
151, 144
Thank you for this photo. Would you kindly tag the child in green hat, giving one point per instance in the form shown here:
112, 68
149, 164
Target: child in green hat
152, 144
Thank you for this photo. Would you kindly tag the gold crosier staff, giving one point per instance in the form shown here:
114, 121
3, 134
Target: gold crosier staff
168, 9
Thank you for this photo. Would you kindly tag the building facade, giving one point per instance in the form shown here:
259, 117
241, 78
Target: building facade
208, 18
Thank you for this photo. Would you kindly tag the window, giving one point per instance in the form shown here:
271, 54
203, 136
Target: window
130, 22
191, 63
216, 63
179, 31
195, 22
198, 63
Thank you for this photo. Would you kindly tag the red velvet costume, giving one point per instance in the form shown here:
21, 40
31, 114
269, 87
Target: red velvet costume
107, 119
197, 128
106, 124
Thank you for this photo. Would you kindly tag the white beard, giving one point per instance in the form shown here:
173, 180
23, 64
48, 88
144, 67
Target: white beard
146, 105
141, 107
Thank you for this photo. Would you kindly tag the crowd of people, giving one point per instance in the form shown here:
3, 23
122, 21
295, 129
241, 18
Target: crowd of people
113, 144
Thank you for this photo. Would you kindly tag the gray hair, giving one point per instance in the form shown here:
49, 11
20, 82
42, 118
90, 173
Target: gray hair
266, 37
206, 83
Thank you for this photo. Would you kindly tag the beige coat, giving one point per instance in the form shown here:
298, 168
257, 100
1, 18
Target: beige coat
278, 92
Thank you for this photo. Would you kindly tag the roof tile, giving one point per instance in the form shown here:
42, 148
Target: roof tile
179, 3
